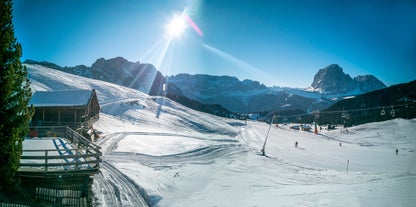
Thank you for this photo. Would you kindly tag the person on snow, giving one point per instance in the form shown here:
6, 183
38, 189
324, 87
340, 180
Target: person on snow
296, 144
397, 151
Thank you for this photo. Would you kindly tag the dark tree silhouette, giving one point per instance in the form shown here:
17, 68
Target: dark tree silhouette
15, 95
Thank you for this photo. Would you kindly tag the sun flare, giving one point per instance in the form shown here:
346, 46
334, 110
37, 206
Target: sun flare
176, 26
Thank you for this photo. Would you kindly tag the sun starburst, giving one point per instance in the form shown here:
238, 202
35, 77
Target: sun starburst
176, 26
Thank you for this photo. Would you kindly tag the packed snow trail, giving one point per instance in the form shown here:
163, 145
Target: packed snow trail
113, 188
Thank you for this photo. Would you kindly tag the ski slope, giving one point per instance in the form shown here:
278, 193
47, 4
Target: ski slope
159, 153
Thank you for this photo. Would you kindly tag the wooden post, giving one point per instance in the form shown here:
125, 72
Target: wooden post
43, 116
59, 116
76, 159
46, 160
348, 163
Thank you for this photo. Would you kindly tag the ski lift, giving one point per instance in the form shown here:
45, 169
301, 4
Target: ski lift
392, 112
316, 115
383, 112
347, 116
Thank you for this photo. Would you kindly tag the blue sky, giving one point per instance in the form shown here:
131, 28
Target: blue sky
282, 43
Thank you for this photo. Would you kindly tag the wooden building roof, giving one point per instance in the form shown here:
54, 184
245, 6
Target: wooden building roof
64, 98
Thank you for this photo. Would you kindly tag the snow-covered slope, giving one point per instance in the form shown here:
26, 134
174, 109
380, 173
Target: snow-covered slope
128, 103
160, 152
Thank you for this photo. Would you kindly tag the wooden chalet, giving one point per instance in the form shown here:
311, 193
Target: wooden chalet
57, 163
77, 109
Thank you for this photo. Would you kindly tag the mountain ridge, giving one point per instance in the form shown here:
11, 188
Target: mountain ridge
330, 84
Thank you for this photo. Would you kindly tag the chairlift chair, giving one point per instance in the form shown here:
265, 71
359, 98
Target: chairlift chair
392, 112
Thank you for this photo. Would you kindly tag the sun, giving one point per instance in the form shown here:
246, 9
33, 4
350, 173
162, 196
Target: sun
176, 26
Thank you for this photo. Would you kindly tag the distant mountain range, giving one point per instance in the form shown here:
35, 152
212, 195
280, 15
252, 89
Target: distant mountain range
329, 85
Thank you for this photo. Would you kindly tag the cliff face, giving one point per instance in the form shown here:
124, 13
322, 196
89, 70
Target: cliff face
333, 80
367, 83
143, 77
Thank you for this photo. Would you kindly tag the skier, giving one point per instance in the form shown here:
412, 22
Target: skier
296, 144
340, 144
397, 151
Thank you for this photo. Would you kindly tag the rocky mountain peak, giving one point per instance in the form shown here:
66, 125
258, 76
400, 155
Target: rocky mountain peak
144, 77
332, 79
368, 83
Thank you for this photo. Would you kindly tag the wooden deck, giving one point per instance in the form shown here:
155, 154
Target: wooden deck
56, 169
75, 154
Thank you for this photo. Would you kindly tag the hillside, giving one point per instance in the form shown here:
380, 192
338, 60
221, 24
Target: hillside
176, 156
397, 101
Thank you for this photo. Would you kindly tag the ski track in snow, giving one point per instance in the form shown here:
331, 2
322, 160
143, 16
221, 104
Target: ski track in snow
117, 189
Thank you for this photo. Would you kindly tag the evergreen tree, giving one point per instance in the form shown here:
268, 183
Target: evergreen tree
15, 95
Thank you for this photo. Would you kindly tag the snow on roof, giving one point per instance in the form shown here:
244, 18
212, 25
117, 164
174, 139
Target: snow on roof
61, 98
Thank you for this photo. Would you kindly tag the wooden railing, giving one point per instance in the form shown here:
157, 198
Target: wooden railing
82, 156
85, 123
73, 125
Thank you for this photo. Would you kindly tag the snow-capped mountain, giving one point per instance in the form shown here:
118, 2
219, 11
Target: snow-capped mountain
206, 87
332, 80
329, 85
140, 76
239, 96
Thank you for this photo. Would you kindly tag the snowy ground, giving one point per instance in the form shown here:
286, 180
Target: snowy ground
158, 152
54, 146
